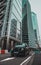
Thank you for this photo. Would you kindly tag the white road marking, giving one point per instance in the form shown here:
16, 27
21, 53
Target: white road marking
7, 59
27, 60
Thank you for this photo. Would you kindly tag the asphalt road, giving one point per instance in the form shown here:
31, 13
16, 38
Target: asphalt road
18, 60
12, 60
3, 56
37, 59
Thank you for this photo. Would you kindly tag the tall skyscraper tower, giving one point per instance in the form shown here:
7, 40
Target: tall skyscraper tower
12, 26
27, 28
35, 27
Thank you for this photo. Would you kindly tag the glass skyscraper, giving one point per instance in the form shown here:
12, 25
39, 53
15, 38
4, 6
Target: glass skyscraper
35, 27
27, 28
12, 26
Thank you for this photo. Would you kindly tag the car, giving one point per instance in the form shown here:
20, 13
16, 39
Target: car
20, 50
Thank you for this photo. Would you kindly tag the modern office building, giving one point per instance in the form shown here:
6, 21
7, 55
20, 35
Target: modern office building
12, 26
28, 35
24, 22
2, 14
35, 27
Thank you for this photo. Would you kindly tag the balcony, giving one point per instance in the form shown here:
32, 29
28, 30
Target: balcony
1, 16
1, 5
1, 12
2, 1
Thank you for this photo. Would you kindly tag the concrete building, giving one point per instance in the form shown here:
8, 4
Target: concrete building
28, 35
2, 14
35, 27
12, 25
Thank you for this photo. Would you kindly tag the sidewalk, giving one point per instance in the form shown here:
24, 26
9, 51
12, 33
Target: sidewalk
3, 56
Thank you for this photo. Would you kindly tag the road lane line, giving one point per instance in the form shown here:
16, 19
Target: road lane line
7, 59
27, 60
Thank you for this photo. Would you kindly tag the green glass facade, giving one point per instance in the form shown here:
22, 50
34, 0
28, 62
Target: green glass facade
12, 26
35, 26
24, 22
28, 35
15, 19
34, 21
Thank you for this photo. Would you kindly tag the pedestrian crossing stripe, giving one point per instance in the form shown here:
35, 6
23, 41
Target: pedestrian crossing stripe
7, 59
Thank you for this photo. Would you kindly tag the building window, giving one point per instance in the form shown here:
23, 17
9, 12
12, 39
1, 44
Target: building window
13, 28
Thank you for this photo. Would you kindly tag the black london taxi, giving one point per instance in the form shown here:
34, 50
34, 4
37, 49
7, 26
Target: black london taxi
20, 49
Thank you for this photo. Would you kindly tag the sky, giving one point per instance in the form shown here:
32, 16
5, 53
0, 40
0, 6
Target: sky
36, 7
